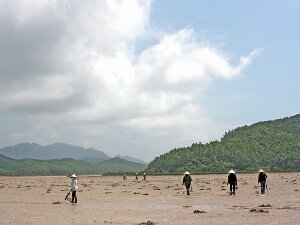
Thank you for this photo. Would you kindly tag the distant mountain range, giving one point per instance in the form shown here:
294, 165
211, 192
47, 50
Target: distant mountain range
58, 151
271, 145
66, 166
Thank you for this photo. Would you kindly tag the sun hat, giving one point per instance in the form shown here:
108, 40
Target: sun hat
231, 171
186, 173
260, 171
73, 176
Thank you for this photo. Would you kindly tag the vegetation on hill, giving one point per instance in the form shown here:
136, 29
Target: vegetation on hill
12, 167
272, 145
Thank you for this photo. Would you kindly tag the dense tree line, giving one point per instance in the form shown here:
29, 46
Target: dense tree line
272, 145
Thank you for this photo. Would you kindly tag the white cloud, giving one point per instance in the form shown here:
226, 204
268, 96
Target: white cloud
82, 82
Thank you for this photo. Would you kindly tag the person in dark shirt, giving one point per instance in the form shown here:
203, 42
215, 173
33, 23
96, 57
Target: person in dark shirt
232, 180
262, 179
187, 180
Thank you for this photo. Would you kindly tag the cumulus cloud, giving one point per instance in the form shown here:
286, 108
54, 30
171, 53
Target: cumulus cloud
70, 70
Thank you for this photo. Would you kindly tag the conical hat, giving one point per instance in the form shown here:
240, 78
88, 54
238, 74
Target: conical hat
260, 171
231, 171
186, 173
73, 176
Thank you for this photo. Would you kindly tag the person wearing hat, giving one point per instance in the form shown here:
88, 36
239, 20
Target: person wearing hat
74, 188
262, 179
232, 180
144, 175
187, 180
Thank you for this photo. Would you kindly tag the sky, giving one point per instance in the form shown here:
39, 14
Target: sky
141, 78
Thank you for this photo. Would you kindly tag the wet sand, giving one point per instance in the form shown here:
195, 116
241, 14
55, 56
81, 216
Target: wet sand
160, 199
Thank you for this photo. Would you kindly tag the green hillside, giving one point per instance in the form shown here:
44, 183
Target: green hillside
14, 167
273, 145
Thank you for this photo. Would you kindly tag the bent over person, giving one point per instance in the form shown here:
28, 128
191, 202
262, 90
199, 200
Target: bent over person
74, 188
262, 179
187, 180
232, 180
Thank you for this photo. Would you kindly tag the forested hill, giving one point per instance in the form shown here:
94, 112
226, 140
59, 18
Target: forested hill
272, 145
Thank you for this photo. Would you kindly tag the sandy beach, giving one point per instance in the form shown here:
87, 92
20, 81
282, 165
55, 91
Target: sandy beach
158, 200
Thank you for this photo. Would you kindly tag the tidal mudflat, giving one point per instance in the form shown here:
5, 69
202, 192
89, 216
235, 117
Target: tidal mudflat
158, 200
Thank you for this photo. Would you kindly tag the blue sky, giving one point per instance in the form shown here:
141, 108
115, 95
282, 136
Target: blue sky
269, 88
140, 78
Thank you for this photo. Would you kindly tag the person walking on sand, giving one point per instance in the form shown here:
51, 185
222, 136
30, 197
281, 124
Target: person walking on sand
124, 176
144, 176
187, 180
232, 180
262, 179
74, 187
136, 176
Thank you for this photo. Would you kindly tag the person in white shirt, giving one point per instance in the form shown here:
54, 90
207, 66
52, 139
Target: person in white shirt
74, 188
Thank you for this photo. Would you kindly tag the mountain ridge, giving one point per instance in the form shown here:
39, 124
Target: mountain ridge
53, 151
